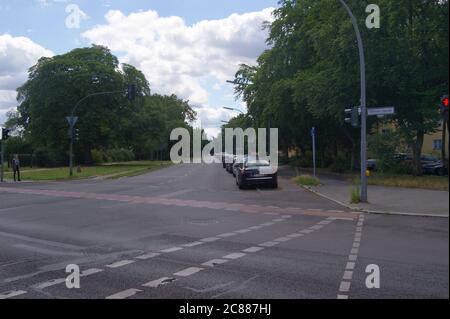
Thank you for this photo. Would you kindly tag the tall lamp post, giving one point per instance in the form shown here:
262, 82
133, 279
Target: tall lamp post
362, 67
72, 119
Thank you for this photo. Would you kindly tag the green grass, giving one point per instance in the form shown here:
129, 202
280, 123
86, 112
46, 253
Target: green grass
407, 181
307, 180
114, 170
355, 195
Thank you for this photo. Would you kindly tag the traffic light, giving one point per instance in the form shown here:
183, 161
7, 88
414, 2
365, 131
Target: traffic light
352, 116
76, 135
131, 92
444, 107
5, 134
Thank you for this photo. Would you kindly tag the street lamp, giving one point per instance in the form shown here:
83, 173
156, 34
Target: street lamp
363, 104
233, 109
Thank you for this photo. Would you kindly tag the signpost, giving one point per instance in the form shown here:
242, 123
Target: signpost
385, 110
72, 120
313, 135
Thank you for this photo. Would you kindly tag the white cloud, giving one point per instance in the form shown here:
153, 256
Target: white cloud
181, 59
17, 55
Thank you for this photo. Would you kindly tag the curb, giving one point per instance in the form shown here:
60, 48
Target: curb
375, 212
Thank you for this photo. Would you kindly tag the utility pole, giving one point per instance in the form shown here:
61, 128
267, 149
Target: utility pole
313, 135
362, 63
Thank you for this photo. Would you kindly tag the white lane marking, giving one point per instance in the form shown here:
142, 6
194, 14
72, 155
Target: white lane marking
279, 220
267, 224
12, 294
121, 263
255, 227
341, 218
197, 243
306, 231
283, 239
325, 222
269, 244
147, 256
49, 283
210, 239
252, 249
295, 235
171, 250
348, 275
316, 227
215, 262
243, 231
234, 256
124, 294
345, 286
286, 216
227, 235
350, 266
188, 271
159, 282
89, 272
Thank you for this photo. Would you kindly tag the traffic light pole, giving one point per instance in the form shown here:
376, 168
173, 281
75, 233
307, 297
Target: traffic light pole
364, 197
3, 160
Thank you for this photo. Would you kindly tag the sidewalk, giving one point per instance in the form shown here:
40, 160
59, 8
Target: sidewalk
388, 200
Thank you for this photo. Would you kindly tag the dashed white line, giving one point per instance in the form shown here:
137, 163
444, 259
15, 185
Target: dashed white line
269, 244
120, 263
283, 239
171, 250
194, 244
252, 249
210, 239
215, 262
159, 282
227, 235
89, 272
49, 283
235, 256
344, 288
12, 294
147, 256
124, 294
188, 271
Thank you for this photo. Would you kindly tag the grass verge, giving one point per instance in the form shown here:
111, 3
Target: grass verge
115, 170
422, 182
307, 180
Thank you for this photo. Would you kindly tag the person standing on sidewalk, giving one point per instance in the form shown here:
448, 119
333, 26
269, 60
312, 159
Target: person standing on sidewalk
16, 167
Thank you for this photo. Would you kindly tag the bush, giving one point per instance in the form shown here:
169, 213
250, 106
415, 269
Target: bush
121, 155
113, 155
307, 180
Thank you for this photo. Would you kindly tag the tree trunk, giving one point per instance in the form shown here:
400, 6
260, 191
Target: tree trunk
417, 153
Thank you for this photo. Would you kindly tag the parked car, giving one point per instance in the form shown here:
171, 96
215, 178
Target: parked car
238, 160
432, 165
372, 164
256, 172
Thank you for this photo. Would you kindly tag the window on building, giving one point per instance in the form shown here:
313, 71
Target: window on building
437, 145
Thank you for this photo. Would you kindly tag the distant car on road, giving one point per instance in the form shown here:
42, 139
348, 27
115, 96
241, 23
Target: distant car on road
430, 164
256, 172
237, 161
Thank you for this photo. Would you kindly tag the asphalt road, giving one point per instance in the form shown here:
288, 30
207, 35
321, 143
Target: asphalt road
187, 232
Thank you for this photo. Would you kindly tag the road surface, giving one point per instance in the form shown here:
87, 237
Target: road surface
186, 231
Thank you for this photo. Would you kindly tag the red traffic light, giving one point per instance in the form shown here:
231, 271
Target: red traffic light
444, 101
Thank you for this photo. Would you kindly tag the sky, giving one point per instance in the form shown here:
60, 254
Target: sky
184, 47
